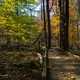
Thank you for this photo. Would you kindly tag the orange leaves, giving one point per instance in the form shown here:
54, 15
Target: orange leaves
72, 12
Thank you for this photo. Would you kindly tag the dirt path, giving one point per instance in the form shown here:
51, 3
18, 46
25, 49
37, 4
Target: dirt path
63, 67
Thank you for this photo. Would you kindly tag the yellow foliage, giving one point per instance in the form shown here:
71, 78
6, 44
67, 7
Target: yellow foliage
9, 4
72, 34
55, 20
2, 20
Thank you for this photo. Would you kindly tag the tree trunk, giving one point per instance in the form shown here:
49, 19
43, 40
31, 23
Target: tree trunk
64, 17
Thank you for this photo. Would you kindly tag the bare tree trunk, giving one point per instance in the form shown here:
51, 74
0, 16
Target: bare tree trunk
48, 23
64, 17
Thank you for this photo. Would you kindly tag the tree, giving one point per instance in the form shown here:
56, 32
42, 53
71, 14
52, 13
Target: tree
64, 17
20, 28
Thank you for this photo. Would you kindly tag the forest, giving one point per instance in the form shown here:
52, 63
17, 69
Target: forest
39, 40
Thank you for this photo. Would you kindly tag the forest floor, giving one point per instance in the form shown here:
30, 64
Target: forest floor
21, 66
18, 66
64, 66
